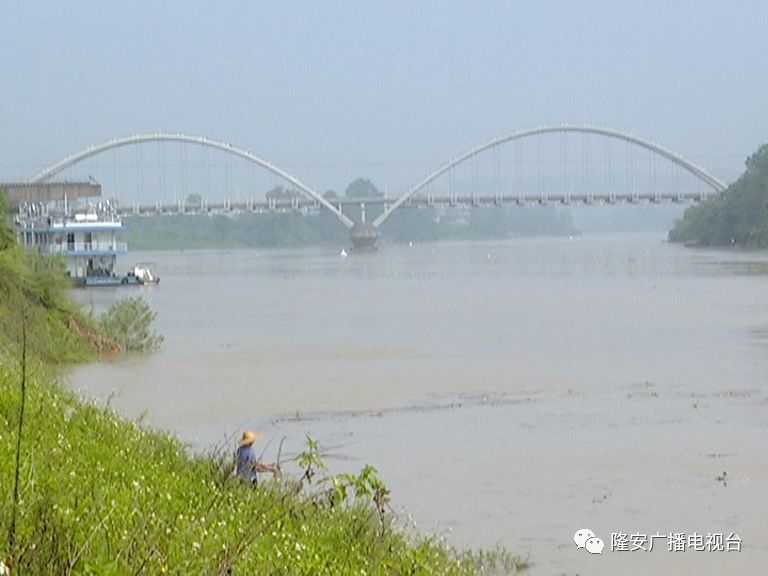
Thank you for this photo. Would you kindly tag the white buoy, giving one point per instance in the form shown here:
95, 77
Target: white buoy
343, 253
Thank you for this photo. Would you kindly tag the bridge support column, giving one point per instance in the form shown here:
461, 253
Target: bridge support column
363, 236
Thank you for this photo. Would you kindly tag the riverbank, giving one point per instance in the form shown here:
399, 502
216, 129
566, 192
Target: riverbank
85, 491
100, 494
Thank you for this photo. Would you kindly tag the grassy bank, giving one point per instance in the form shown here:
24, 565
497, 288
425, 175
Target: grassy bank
100, 495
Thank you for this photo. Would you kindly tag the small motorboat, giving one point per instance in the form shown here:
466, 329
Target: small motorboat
144, 274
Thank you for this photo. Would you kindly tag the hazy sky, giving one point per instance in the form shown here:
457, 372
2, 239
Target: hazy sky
400, 83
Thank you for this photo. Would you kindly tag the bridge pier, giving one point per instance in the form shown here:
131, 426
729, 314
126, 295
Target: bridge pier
363, 236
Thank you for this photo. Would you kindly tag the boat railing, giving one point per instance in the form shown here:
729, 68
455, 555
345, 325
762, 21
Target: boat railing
88, 247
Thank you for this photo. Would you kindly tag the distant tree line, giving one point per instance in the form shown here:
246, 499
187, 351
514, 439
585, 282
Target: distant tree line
738, 216
291, 229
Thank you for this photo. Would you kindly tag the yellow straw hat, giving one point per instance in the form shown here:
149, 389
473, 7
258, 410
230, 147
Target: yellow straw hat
248, 438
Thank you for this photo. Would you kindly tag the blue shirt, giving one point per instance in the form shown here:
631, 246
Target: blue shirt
246, 463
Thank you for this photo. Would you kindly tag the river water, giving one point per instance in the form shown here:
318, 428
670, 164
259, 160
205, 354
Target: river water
508, 392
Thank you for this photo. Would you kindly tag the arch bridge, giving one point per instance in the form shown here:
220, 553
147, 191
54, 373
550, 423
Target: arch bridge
364, 234
52, 171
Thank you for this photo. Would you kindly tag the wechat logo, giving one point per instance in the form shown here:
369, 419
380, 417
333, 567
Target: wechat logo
586, 539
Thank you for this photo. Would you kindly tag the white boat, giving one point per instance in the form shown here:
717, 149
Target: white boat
87, 237
144, 273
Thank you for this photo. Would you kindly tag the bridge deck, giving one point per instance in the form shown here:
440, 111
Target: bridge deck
302, 203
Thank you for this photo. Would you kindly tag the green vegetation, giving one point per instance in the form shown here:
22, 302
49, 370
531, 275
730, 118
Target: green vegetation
283, 193
33, 298
739, 216
103, 496
362, 188
128, 323
481, 223
83, 491
290, 229
269, 230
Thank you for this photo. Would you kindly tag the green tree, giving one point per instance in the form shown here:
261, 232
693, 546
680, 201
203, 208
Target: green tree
194, 200
362, 188
737, 216
282, 193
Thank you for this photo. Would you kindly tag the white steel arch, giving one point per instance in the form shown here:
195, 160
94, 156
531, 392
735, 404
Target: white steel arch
699, 172
51, 171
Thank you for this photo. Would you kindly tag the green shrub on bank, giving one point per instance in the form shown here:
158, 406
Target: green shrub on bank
128, 323
101, 495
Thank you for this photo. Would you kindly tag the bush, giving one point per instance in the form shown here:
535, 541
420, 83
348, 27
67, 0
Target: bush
128, 323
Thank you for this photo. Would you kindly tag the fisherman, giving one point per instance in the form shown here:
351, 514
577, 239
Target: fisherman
248, 464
